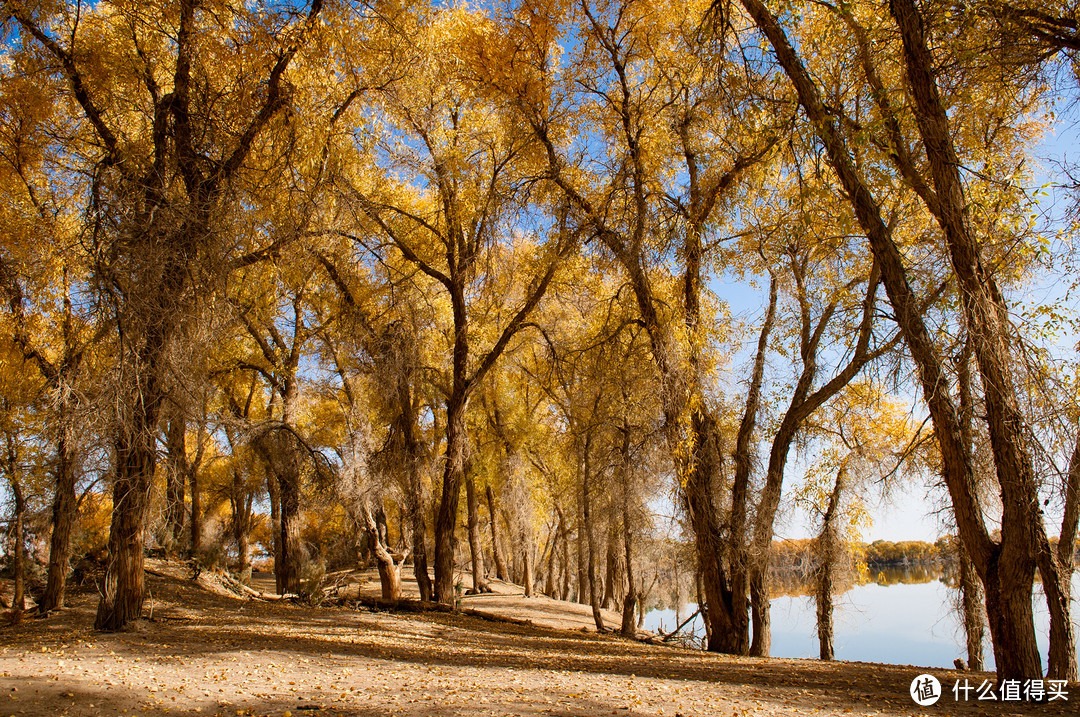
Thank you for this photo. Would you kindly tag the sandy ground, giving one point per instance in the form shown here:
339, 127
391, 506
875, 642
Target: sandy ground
505, 599
207, 653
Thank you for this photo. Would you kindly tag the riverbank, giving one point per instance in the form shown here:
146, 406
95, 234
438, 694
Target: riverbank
208, 653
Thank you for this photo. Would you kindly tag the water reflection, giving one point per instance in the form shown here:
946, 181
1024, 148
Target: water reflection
902, 615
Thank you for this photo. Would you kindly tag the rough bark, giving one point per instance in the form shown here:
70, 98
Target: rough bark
274, 491
553, 549
479, 576
986, 316
736, 544
16, 533
1056, 571
176, 473
528, 566
590, 537
610, 571
419, 537
828, 554
972, 608
63, 512
389, 570
496, 546
629, 606
1006, 569
240, 500
453, 475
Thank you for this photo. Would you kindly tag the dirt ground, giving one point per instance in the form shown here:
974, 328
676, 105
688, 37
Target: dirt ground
209, 653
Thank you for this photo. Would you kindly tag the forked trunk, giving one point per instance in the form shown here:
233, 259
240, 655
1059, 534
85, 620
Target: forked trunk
389, 570
728, 623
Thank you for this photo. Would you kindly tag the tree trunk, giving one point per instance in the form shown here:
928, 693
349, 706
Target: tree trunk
564, 591
972, 604
446, 518
496, 549
549, 580
631, 600
415, 502
729, 629
590, 539
176, 473
1006, 569
122, 599
479, 576
196, 512
828, 555
389, 571
610, 573
63, 511
736, 547
825, 613
275, 524
528, 563
18, 600
1056, 568
240, 501
135, 459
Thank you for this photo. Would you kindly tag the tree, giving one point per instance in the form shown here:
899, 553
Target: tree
1005, 567
624, 197
456, 217
154, 198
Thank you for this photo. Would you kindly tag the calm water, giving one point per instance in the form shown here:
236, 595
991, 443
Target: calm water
901, 623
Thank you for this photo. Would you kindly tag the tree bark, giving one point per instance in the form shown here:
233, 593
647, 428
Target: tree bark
18, 600
419, 536
389, 571
240, 500
479, 576
446, 517
275, 523
496, 546
610, 572
176, 475
63, 512
972, 605
529, 560
135, 459
828, 554
590, 538
1056, 569
736, 547
629, 606
1006, 569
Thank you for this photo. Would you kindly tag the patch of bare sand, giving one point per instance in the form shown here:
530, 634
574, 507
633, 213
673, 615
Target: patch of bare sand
209, 654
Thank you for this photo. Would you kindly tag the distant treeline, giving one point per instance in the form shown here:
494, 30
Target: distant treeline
797, 556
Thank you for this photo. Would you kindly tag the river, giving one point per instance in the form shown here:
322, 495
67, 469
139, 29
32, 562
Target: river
906, 618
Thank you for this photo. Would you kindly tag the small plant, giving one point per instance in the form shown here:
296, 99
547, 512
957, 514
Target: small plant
312, 576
